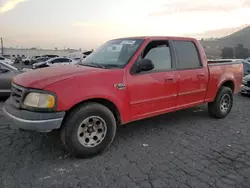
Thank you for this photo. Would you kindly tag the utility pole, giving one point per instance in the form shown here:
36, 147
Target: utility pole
2, 45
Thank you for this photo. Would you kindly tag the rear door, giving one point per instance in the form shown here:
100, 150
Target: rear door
153, 92
192, 75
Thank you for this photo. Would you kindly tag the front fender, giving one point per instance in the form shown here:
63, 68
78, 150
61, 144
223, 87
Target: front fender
69, 95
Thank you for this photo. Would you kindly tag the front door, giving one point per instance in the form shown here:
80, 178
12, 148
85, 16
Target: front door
153, 92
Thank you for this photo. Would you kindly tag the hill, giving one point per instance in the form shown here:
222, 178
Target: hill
213, 47
239, 37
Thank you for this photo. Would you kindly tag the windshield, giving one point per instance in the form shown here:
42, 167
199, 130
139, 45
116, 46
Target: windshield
114, 53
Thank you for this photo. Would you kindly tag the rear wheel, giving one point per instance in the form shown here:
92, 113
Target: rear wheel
222, 104
88, 130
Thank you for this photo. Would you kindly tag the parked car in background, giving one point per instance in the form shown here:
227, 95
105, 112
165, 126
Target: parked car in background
62, 61
18, 59
144, 77
79, 55
54, 62
7, 72
7, 56
246, 67
39, 60
245, 89
51, 56
85, 54
27, 60
6, 60
77, 59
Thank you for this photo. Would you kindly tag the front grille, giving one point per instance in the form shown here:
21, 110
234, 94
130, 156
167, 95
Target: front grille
17, 94
248, 84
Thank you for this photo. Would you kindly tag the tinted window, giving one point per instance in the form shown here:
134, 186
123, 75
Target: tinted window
66, 60
1, 58
160, 56
188, 57
57, 61
42, 59
246, 66
61, 60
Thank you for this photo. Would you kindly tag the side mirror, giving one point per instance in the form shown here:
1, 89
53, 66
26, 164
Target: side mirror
145, 65
3, 70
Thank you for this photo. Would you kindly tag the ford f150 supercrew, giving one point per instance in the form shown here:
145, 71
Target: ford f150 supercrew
124, 80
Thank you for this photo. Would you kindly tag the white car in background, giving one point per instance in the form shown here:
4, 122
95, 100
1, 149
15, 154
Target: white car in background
6, 60
61, 61
57, 61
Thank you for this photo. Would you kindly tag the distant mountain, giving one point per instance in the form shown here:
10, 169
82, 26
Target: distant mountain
213, 46
217, 33
239, 37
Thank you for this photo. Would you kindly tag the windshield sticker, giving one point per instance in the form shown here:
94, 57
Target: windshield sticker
131, 42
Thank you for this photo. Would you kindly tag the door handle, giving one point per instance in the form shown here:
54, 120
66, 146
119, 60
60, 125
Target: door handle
168, 79
201, 75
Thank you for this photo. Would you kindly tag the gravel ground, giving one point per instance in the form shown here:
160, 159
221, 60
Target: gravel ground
182, 149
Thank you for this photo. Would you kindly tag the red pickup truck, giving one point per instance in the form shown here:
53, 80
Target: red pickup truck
124, 80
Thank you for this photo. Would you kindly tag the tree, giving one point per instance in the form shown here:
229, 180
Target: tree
227, 53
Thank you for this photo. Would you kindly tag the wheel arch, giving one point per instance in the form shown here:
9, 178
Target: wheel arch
105, 102
228, 83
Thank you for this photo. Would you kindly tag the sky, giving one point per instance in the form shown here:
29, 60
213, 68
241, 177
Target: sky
88, 24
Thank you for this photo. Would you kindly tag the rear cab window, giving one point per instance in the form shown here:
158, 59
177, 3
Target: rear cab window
187, 55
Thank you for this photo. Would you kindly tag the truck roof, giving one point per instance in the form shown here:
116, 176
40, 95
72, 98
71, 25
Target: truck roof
158, 37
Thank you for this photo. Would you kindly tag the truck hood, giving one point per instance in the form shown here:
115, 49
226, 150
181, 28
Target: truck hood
41, 78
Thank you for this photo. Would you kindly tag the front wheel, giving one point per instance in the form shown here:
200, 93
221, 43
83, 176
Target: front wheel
222, 104
88, 130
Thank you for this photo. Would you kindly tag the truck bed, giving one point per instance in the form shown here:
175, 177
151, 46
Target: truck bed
220, 70
224, 61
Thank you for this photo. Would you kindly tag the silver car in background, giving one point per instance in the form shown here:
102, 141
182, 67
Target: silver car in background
7, 72
57, 61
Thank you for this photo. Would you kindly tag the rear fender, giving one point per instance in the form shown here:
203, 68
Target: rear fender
225, 78
215, 84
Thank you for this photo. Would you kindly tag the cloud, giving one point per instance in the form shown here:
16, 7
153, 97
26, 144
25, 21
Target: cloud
185, 6
8, 5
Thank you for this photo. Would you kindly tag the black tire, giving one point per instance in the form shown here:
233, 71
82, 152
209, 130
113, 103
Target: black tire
26, 62
214, 108
72, 122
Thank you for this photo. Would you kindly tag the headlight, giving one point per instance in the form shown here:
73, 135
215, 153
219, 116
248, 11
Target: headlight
40, 100
244, 81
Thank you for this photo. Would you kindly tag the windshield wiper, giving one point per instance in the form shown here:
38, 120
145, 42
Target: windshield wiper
113, 66
93, 64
